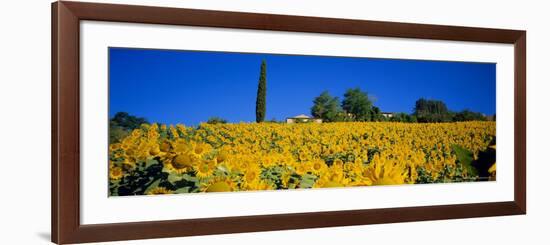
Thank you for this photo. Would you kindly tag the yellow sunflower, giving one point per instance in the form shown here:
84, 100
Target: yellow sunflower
114, 147
383, 172
318, 166
338, 163
219, 184
182, 163
303, 156
115, 173
181, 145
154, 150
302, 168
159, 191
259, 185
222, 156
250, 176
201, 148
164, 146
205, 168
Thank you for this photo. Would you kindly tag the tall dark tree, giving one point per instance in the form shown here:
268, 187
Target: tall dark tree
432, 111
326, 107
127, 121
358, 104
376, 114
260, 97
122, 124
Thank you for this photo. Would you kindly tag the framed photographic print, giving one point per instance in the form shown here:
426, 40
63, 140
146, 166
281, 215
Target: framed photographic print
177, 122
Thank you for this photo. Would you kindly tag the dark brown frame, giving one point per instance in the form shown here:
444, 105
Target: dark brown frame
66, 227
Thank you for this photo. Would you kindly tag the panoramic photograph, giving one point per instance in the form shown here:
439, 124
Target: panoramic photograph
204, 121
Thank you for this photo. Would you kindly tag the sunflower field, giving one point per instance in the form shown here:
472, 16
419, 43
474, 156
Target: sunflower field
161, 159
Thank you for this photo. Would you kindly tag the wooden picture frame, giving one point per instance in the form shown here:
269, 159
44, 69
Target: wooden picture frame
65, 176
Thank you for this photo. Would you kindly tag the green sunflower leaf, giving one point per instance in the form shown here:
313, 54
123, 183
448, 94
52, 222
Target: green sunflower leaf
182, 190
173, 178
465, 157
150, 162
153, 185
307, 181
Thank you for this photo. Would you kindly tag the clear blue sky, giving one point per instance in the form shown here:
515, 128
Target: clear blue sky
188, 87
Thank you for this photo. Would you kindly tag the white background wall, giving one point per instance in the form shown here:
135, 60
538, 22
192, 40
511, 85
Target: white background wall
25, 122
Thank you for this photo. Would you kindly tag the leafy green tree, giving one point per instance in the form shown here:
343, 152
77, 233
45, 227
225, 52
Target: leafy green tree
260, 98
402, 117
342, 116
431, 111
358, 104
376, 114
116, 134
127, 121
467, 115
326, 107
121, 124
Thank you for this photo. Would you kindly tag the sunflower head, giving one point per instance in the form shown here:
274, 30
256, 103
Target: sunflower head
164, 147
317, 165
115, 173
251, 175
222, 156
303, 156
115, 146
159, 191
205, 168
201, 148
154, 150
338, 163
219, 184
182, 162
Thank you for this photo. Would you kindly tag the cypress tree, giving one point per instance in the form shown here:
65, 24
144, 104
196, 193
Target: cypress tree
260, 98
